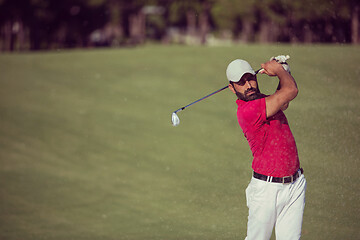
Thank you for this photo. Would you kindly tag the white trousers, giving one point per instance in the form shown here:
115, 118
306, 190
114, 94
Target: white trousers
275, 205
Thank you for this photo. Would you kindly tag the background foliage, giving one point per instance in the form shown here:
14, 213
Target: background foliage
46, 24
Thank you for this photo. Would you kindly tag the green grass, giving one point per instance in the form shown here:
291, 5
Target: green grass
87, 149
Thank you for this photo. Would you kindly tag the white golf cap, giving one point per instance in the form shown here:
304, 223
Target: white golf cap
237, 68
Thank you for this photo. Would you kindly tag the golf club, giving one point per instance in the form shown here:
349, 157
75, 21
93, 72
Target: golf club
175, 118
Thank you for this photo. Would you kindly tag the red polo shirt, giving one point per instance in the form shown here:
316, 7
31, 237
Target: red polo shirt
271, 141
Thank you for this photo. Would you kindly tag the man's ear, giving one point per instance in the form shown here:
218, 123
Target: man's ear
231, 87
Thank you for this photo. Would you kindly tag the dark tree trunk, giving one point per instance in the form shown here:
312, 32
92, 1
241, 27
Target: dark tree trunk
137, 27
264, 34
247, 31
204, 22
190, 23
355, 24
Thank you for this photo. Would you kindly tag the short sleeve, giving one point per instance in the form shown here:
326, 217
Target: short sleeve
252, 113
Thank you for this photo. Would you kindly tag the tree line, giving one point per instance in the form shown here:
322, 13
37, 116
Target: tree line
50, 24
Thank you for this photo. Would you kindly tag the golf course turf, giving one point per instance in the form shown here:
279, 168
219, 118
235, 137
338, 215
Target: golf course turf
88, 151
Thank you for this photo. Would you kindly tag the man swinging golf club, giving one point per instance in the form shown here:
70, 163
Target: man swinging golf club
276, 194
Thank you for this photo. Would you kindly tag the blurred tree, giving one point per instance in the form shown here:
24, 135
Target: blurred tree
74, 20
316, 19
204, 19
193, 15
183, 13
128, 20
13, 32
322, 20
271, 19
348, 10
43, 24
237, 17
355, 36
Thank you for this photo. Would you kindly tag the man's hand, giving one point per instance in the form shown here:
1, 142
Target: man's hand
272, 68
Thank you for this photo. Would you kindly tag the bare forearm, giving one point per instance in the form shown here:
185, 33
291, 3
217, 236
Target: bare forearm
287, 89
292, 78
287, 84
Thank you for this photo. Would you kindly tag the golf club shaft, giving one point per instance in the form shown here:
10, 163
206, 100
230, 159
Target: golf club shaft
257, 71
180, 109
201, 99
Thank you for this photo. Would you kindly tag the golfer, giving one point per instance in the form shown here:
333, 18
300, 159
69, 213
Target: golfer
275, 195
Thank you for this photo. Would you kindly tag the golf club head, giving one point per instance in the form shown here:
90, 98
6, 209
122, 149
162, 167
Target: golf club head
175, 119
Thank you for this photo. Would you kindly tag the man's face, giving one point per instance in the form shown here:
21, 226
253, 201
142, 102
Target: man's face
246, 89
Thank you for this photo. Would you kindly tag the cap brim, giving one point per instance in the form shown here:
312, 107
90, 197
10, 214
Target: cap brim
237, 79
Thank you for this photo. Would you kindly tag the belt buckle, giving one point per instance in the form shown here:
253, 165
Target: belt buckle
291, 181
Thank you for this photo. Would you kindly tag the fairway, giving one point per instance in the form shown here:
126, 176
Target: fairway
87, 149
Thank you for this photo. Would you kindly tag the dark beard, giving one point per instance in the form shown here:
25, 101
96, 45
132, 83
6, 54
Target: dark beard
251, 97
